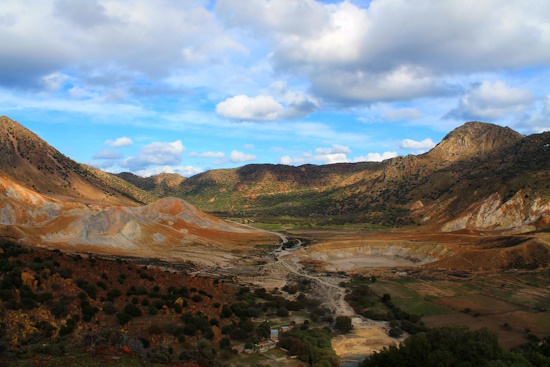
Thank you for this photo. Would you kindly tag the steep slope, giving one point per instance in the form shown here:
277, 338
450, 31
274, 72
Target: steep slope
33, 163
168, 228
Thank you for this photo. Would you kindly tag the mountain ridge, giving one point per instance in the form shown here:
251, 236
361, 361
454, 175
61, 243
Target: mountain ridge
458, 174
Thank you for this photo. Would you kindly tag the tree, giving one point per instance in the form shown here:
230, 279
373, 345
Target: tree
343, 324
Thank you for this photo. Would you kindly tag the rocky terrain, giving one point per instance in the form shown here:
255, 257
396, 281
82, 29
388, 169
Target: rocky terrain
48, 200
480, 176
168, 228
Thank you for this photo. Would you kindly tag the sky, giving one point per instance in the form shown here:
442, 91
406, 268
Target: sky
187, 86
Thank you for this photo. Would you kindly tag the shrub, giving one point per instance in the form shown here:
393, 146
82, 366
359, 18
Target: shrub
343, 324
88, 311
123, 318
282, 312
61, 307
113, 294
158, 303
395, 332
153, 310
109, 308
196, 298
64, 272
132, 310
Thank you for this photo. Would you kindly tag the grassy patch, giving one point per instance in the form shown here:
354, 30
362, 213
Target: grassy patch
406, 298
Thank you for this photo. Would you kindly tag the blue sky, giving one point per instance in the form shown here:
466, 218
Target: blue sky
187, 86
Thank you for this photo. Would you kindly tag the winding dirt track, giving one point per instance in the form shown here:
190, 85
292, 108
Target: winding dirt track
331, 293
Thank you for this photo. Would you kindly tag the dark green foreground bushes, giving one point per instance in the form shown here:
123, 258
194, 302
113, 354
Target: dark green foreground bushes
459, 347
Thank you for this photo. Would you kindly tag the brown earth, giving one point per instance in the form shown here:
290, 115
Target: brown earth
168, 228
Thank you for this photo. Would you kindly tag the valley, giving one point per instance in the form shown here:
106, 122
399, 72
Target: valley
330, 263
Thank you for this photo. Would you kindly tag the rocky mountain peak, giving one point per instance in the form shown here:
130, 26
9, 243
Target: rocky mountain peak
473, 139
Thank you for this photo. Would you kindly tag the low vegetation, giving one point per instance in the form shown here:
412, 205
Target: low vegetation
459, 346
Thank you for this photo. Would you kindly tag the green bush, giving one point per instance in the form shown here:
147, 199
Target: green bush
123, 318
450, 346
343, 324
153, 310
132, 310
109, 308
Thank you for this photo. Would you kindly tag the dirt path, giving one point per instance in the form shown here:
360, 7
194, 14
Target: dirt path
331, 293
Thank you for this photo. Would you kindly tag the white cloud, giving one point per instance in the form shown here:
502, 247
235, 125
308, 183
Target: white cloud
143, 38
249, 146
402, 114
240, 157
393, 49
185, 171
286, 160
417, 145
336, 154
305, 158
263, 108
108, 154
375, 157
241, 107
490, 101
217, 155
157, 153
119, 142
54, 81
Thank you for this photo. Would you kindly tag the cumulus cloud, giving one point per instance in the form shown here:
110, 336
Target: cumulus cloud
249, 146
185, 171
157, 153
108, 154
492, 100
146, 39
263, 108
393, 49
336, 154
410, 144
240, 157
375, 157
119, 142
305, 158
217, 155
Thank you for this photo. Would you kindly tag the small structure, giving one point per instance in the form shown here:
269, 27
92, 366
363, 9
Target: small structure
274, 335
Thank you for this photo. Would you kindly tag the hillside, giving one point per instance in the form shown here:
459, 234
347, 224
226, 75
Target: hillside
33, 163
163, 184
55, 305
169, 228
477, 165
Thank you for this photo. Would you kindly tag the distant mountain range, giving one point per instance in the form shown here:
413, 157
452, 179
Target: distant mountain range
480, 176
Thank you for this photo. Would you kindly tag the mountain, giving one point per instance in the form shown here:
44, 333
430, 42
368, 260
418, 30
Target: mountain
31, 162
473, 139
48, 200
480, 176
163, 184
